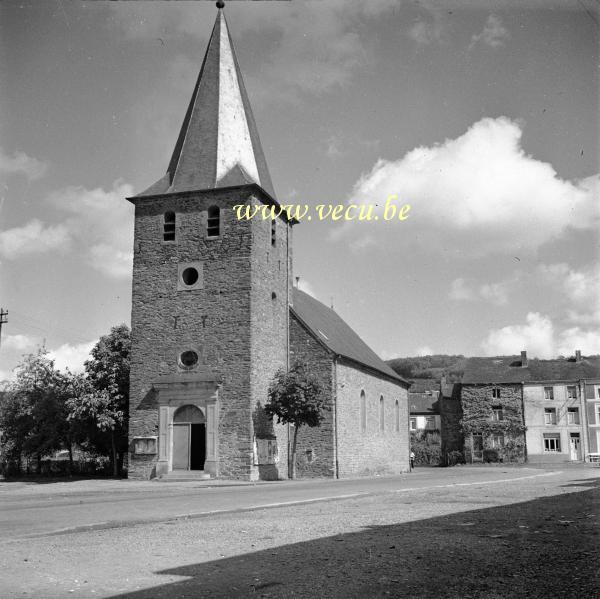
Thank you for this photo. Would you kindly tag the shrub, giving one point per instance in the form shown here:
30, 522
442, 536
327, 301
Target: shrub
491, 455
454, 457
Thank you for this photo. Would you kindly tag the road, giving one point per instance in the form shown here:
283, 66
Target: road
29, 510
490, 532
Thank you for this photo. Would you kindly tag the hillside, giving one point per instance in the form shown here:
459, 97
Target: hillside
429, 367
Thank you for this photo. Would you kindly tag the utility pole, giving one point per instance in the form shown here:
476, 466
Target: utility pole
3, 320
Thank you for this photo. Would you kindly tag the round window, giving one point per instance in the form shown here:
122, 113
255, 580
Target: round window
188, 359
190, 276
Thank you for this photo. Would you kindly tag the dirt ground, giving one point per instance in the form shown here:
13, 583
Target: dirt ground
538, 537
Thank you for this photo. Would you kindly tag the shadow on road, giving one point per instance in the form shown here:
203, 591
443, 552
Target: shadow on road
547, 547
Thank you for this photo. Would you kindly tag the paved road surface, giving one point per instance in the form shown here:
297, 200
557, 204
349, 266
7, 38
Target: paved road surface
28, 510
484, 533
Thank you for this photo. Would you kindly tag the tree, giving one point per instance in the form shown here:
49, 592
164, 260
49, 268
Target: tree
296, 397
33, 410
100, 402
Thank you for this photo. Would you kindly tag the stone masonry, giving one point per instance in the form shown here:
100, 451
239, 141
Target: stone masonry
241, 271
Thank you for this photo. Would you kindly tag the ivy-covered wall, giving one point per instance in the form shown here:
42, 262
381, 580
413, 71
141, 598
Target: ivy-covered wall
477, 403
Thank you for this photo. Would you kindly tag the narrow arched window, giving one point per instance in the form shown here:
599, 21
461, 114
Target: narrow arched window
213, 223
363, 412
273, 232
381, 414
397, 416
169, 226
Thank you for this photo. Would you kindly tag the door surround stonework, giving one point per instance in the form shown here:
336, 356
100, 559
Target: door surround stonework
174, 392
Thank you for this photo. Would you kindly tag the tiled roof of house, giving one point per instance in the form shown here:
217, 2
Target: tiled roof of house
422, 385
422, 403
327, 326
218, 144
509, 369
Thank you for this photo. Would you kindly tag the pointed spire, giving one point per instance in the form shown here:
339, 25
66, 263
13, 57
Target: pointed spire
218, 145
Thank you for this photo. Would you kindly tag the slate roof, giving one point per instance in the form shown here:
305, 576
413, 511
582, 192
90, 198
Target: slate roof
422, 385
422, 403
327, 326
218, 145
508, 369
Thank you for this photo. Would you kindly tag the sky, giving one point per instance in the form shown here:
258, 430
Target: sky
482, 116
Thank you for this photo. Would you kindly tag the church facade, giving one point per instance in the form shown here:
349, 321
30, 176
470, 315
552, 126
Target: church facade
215, 315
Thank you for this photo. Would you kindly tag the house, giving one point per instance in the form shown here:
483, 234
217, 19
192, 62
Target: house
555, 409
492, 408
423, 405
589, 389
215, 315
534, 410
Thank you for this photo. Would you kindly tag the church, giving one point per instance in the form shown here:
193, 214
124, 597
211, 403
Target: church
215, 315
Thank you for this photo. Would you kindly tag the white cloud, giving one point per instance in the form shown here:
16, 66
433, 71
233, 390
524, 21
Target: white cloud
305, 286
479, 191
98, 225
494, 293
494, 33
580, 290
580, 286
71, 356
18, 342
460, 291
102, 224
539, 337
31, 238
576, 338
536, 336
429, 31
21, 163
424, 351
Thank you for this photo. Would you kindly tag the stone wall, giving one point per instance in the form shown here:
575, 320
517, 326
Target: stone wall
373, 451
213, 318
315, 449
451, 416
477, 402
271, 289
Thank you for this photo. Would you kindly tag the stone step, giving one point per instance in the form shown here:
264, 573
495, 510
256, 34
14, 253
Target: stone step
184, 475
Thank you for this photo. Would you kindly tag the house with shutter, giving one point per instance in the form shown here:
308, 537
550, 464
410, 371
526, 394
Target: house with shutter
532, 410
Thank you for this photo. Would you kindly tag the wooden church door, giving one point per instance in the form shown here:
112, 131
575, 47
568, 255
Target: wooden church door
189, 439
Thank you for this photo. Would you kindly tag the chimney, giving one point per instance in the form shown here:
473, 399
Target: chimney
298, 282
577, 355
524, 362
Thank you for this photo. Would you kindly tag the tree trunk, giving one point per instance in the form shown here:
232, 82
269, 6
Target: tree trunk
39, 463
70, 458
294, 453
114, 453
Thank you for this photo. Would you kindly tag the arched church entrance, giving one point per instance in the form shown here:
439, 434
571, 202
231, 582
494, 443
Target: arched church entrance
189, 438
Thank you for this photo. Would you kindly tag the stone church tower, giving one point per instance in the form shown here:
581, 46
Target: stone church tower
210, 293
